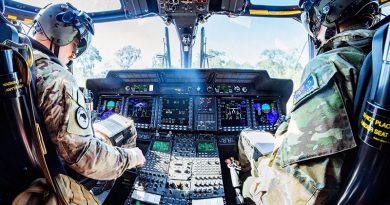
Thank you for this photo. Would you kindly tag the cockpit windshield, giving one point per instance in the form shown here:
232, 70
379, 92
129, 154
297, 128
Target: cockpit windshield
278, 45
88, 6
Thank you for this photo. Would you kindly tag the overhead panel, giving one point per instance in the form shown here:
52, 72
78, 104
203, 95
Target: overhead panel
234, 6
135, 7
189, 7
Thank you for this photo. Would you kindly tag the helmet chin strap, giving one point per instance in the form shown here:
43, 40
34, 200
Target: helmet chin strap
56, 48
317, 42
329, 33
337, 26
70, 66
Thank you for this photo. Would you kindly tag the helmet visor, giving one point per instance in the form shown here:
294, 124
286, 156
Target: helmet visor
86, 30
312, 21
85, 41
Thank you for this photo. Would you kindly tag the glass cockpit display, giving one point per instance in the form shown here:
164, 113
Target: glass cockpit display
161, 146
265, 113
140, 110
175, 111
206, 147
234, 112
109, 105
205, 104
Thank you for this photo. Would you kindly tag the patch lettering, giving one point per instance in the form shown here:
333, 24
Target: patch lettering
82, 118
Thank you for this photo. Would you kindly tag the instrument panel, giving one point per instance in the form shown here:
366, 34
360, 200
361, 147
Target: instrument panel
216, 100
198, 113
188, 122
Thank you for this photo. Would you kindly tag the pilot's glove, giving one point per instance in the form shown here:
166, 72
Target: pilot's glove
246, 188
131, 135
140, 156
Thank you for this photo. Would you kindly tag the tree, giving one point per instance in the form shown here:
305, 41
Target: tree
281, 64
107, 66
232, 64
126, 56
87, 61
215, 59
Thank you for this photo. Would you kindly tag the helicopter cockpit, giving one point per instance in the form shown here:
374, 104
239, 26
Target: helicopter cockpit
189, 112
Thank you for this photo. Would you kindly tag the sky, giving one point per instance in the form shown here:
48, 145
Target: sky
242, 38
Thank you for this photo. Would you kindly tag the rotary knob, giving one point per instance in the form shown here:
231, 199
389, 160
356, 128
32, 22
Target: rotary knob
209, 89
237, 89
244, 89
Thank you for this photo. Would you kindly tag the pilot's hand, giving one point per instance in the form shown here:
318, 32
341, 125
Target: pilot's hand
140, 157
247, 186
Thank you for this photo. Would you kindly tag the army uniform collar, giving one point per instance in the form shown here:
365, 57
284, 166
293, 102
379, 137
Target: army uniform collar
39, 55
40, 51
360, 38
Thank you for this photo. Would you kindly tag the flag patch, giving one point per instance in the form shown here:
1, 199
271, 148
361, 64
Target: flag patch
306, 88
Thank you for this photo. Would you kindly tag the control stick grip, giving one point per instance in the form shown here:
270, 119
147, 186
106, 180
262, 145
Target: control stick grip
234, 168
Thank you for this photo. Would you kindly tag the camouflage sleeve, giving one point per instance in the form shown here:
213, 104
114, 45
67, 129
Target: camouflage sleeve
313, 182
306, 168
319, 123
252, 146
131, 134
69, 126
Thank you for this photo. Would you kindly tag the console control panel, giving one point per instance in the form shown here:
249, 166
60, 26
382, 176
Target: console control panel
180, 170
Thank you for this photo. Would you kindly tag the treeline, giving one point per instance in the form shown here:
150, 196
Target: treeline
278, 63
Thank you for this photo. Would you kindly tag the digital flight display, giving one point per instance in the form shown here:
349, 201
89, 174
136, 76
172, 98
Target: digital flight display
141, 88
140, 110
224, 89
205, 104
234, 112
175, 111
109, 105
265, 112
206, 147
161, 146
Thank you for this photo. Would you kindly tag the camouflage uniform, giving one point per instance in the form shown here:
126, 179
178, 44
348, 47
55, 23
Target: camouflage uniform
62, 104
306, 167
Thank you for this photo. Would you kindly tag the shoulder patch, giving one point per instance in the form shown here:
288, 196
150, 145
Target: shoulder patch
306, 88
82, 117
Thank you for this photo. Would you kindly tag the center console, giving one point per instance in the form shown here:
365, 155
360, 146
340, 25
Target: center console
182, 170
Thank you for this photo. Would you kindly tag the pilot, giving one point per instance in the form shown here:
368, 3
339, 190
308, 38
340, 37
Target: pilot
310, 160
63, 32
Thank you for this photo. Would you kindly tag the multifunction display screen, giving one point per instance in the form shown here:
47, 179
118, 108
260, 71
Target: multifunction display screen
234, 112
205, 104
206, 147
175, 111
140, 109
161, 146
108, 106
265, 112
